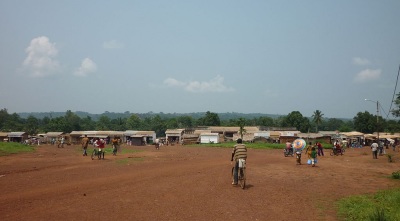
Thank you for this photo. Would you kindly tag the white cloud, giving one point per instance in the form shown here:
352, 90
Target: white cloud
113, 44
214, 85
41, 61
174, 83
361, 61
368, 75
87, 67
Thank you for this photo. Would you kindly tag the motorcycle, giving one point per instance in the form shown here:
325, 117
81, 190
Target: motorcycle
288, 152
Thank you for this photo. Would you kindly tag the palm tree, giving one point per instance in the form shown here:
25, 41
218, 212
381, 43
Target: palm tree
241, 122
317, 117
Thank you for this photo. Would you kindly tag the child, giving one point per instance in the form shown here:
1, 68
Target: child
313, 156
298, 157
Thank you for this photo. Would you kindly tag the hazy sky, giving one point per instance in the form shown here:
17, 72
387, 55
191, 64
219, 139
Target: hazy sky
270, 57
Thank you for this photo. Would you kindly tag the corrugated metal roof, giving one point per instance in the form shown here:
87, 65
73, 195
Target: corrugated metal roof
92, 133
53, 134
209, 134
353, 134
176, 131
224, 129
16, 134
201, 131
232, 129
310, 135
134, 132
3, 134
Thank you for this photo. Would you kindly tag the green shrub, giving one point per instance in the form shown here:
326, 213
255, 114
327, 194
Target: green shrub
396, 175
390, 157
378, 215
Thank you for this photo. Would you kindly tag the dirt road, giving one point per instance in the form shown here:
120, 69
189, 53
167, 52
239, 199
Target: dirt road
183, 183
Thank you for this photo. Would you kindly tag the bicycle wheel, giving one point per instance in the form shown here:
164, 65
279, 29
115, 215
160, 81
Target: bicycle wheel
242, 177
233, 171
93, 154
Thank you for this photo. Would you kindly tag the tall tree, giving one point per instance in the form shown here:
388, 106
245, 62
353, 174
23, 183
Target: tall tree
133, 122
3, 118
72, 121
365, 122
317, 118
265, 121
241, 122
396, 111
103, 123
185, 121
210, 119
296, 119
32, 125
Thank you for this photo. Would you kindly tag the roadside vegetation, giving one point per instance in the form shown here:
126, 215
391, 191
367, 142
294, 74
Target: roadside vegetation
384, 206
7, 148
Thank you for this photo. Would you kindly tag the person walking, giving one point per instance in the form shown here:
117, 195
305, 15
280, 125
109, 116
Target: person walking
85, 143
115, 144
298, 157
320, 149
308, 151
313, 156
61, 144
374, 148
239, 152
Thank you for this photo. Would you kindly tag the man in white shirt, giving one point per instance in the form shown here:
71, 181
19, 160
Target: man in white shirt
374, 148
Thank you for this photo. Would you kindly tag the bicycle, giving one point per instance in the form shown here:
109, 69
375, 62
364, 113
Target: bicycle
336, 152
97, 153
241, 173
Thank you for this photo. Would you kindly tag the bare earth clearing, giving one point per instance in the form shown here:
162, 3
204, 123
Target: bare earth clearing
183, 183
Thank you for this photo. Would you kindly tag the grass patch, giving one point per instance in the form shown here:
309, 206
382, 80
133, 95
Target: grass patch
130, 160
7, 148
380, 206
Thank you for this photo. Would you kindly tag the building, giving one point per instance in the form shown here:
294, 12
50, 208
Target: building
209, 138
17, 136
139, 138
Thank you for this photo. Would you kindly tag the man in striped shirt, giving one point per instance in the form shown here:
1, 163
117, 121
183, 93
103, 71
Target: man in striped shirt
239, 152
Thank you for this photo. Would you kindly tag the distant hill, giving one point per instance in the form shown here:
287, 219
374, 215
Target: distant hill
126, 114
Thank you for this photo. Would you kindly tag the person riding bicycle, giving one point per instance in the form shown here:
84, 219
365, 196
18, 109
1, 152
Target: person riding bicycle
99, 143
239, 152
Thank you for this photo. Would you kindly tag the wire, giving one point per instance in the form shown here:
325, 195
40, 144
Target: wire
383, 110
394, 93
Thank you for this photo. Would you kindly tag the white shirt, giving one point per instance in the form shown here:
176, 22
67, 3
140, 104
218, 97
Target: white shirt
374, 146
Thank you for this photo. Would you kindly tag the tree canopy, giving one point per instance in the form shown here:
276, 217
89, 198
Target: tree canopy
70, 121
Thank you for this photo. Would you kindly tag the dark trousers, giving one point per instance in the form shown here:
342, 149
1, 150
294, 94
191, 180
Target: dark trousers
320, 152
235, 172
375, 154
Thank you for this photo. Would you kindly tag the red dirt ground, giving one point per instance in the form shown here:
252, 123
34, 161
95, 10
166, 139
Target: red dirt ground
183, 183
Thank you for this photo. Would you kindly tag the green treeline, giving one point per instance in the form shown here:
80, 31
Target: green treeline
70, 121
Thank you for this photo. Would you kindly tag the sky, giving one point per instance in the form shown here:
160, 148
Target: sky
270, 57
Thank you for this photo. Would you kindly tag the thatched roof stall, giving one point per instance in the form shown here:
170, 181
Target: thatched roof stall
17, 136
